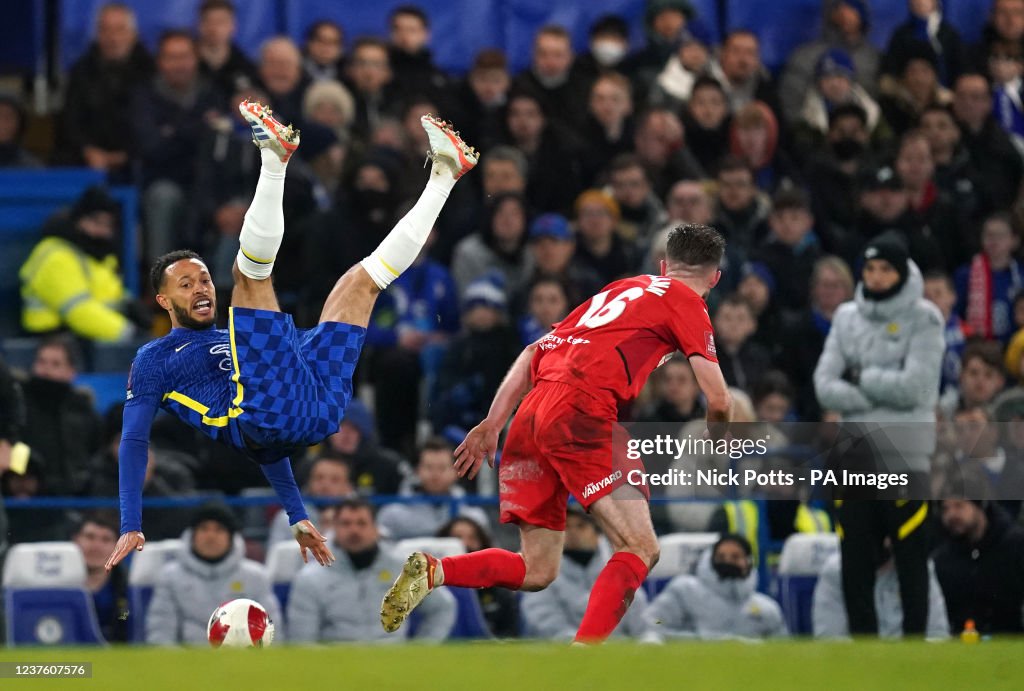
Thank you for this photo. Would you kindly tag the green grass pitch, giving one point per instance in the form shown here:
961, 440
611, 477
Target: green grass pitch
537, 666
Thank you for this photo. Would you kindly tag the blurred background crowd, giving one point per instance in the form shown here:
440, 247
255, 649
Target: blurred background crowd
590, 155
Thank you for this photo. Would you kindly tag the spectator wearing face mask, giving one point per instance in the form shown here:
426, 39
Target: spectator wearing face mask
719, 601
608, 43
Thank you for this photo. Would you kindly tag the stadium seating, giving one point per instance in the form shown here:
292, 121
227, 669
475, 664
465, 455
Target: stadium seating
142, 576
438, 546
284, 561
45, 598
107, 388
802, 558
679, 554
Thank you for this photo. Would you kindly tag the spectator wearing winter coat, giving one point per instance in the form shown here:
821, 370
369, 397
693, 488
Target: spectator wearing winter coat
987, 285
437, 484
499, 245
802, 336
706, 119
913, 87
926, 24
719, 601
742, 360
477, 359
556, 612
845, 27
834, 86
210, 569
828, 612
791, 249
61, 425
743, 210
980, 566
342, 603
882, 362
742, 74
598, 244
96, 122
996, 159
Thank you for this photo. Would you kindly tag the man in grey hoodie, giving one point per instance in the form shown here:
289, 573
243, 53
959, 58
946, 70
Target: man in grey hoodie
210, 570
341, 603
882, 363
719, 601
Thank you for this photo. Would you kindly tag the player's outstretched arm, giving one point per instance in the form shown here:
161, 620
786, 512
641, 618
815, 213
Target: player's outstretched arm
482, 441
716, 392
133, 457
279, 474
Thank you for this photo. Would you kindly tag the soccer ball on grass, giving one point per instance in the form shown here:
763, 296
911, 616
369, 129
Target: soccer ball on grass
240, 623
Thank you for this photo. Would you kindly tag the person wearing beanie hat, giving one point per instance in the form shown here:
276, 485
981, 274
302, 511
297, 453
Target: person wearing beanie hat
210, 569
882, 363
599, 245
845, 25
885, 255
834, 85
477, 359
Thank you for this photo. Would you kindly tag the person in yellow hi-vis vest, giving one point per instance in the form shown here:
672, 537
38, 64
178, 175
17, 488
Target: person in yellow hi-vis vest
743, 518
72, 281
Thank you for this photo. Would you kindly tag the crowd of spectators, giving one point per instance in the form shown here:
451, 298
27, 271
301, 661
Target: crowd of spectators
588, 159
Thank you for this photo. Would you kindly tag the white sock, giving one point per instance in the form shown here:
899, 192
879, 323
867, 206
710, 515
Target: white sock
263, 228
399, 249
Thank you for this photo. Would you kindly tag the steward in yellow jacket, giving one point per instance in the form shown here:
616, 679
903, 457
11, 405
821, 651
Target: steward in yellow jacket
72, 280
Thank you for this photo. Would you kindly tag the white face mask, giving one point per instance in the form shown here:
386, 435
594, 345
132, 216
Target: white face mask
608, 53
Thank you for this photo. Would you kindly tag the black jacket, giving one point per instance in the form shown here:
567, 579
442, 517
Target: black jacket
97, 106
984, 581
63, 428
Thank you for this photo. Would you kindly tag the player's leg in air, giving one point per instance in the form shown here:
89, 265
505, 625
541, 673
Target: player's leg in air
352, 299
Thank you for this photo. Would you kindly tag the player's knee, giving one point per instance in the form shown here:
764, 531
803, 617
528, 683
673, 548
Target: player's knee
356, 280
647, 548
539, 576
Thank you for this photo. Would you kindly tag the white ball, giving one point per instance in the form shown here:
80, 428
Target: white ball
240, 623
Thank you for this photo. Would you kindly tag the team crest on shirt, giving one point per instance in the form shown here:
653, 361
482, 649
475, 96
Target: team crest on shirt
709, 343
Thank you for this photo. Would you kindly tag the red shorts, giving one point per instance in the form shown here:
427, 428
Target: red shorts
560, 442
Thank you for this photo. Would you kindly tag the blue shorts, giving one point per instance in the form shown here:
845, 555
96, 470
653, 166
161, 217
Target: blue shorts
294, 383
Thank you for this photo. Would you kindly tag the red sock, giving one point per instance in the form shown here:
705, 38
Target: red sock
611, 595
484, 569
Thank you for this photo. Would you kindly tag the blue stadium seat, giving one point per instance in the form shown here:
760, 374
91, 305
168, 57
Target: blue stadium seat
284, 561
437, 546
108, 388
142, 576
45, 596
469, 617
20, 352
679, 554
802, 558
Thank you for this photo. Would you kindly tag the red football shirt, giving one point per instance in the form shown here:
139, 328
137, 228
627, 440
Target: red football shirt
613, 341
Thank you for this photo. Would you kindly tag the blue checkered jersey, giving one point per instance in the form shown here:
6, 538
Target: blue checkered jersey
191, 374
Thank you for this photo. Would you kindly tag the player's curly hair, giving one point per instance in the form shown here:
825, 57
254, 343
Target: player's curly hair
159, 270
695, 245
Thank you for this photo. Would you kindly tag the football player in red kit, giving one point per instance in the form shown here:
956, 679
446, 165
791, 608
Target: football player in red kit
560, 441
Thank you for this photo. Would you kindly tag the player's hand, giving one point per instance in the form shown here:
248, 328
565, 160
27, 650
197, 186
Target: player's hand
309, 538
480, 444
133, 540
